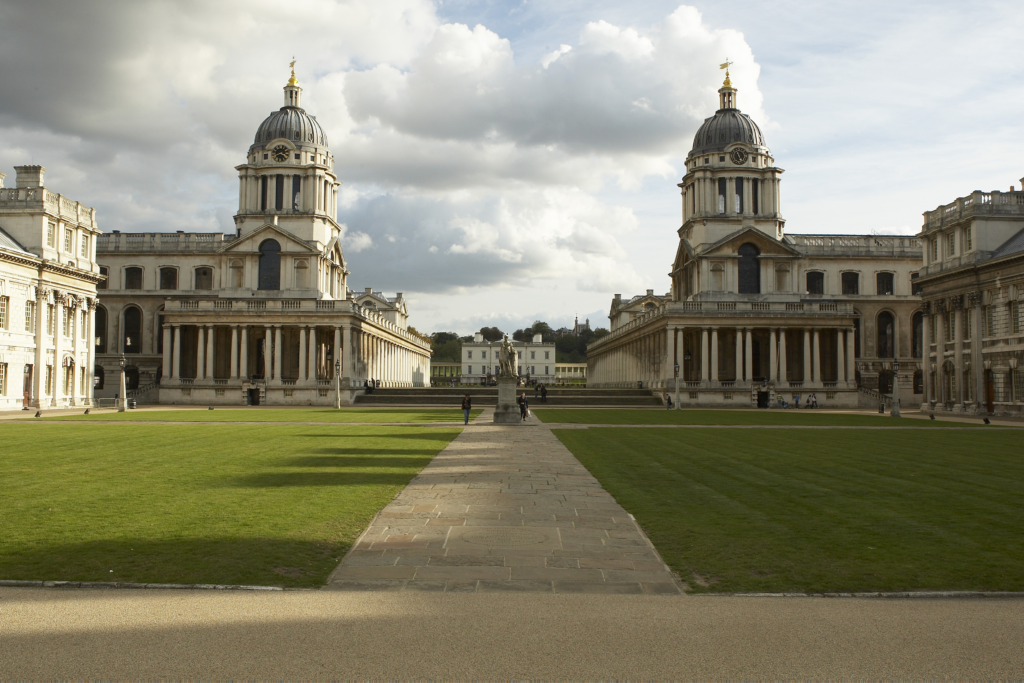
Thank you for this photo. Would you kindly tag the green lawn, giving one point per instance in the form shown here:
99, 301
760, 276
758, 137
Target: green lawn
234, 504
821, 510
381, 415
730, 417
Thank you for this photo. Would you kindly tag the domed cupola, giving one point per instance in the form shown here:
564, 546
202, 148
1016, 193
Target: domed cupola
291, 122
728, 126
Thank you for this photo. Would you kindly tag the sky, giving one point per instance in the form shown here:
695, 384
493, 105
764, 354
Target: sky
505, 162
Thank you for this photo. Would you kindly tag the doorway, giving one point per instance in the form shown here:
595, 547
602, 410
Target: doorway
990, 391
254, 397
762, 399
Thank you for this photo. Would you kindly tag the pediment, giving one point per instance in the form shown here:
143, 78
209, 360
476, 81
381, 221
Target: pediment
766, 245
250, 243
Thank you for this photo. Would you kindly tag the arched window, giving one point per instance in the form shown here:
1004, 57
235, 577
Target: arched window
132, 340
851, 283
884, 284
918, 335
815, 282
270, 265
301, 275
101, 330
168, 278
886, 335
204, 278
97, 377
237, 274
131, 378
133, 278
749, 270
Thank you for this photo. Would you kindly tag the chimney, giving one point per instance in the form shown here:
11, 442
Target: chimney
618, 297
650, 292
29, 176
369, 290
478, 338
538, 338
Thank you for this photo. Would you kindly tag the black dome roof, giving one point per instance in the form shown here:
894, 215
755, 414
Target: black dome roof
724, 128
291, 123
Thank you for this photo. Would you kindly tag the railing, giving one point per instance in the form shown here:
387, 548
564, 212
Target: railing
222, 305
325, 305
693, 384
188, 305
185, 381
256, 305
830, 385
828, 307
220, 382
857, 244
794, 307
133, 393
975, 203
760, 306
727, 306
291, 305
288, 382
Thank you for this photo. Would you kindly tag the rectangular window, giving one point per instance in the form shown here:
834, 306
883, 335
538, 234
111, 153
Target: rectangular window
935, 250
739, 195
83, 327
263, 191
168, 278
51, 234
968, 238
105, 272
30, 316
69, 241
483, 354
951, 245
3, 379
84, 246
851, 283
547, 356
755, 196
279, 192
133, 278
67, 322
721, 195
49, 319
815, 283
296, 190
469, 354
4, 303
885, 283
533, 355
48, 381
915, 288
469, 370
1015, 309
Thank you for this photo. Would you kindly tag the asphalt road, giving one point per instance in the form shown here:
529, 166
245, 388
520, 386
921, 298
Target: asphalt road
168, 634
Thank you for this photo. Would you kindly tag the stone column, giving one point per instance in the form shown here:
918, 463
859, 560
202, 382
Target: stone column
39, 362
200, 352
337, 347
704, 355
739, 354
314, 365
940, 356
783, 357
773, 357
851, 369
958, 356
840, 359
58, 364
167, 352
976, 346
176, 353
808, 378
302, 356
243, 354
75, 395
926, 356
748, 367
209, 352
816, 351
233, 373
714, 355
277, 354
268, 356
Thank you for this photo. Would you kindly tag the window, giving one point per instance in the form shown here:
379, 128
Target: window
49, 319
546, 369
749, 270
263, 191
755, 196
469, 355
160, 332
851, 283
950, 245
101, 330
51, 234
738, 201
918, 331
884, 284
815, 283
69, 240
886, 335
133, 278
915, 288
483, 355
918, 382
83, 324
204, 278
469, 369
533, 355
105, 274
270, 265
547, 356
278, 193
3, 379
132, 330
4, 303
97, 377
296, 190
84, 246
67, 324
856, 336
935, 250
968, 238
168, 278
721, 195
519, 354
30, 316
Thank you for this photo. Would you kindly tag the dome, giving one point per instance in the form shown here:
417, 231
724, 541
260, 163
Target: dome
291, 123
726, 127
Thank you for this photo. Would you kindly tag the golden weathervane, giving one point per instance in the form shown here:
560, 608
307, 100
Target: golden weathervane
725, 65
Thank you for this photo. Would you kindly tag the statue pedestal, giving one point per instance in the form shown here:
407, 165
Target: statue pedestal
507, 410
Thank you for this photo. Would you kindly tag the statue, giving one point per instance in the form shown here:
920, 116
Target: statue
507, 360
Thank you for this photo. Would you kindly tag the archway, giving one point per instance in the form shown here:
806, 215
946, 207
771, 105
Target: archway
885, 382
886, 326
918, 324
97, 377
749, 269
101, 330
270, 265
132, 338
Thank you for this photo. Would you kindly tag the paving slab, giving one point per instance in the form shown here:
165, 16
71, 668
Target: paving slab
505, 508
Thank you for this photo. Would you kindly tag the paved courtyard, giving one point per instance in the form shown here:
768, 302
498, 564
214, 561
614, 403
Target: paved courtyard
505, 508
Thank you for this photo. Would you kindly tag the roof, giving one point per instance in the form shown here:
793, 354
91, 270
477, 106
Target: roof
11, 244
1010, 246
291, 123
726, 127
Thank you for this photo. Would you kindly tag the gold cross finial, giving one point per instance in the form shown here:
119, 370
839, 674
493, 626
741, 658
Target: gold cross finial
293, 80
725, 65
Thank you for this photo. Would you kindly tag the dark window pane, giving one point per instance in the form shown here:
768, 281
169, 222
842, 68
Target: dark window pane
755, 196
918, 336
204, 278
133, 278
168, 278
750, 272
132, 330
884, 282
263, 191
815, 283
105, 272
296, 189
279, 192
101, 330
886, 327
851, 283
270, 265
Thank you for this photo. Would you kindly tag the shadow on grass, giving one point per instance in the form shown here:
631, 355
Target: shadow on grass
233, 561
421, 436
361, 458
270, 480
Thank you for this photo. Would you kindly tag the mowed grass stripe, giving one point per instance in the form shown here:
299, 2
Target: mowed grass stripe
375, 415
611, 416
240, 504
792, 510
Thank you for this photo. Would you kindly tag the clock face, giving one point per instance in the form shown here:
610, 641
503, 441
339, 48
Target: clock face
280, 153
738, 155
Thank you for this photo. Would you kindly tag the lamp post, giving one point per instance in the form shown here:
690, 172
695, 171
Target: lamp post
337, 384
123, 400
895, 388
677, 386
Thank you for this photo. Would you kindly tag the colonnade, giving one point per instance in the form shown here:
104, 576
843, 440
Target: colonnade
70, 383
951, 364
652, 357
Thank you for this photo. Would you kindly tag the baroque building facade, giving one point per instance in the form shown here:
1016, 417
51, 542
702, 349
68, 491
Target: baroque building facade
972, 283
480, 360
263, 315
48, 276
755, 315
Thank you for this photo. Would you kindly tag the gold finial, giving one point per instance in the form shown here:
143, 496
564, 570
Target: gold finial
725, 65
293, 80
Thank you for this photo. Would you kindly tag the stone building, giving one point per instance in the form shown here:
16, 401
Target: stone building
972, 283
480, 359
48, 276
754, 314
263, 315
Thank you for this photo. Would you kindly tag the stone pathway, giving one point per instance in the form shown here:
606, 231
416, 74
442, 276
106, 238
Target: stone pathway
504, 508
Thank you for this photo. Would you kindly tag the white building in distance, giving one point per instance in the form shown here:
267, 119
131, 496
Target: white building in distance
480, 360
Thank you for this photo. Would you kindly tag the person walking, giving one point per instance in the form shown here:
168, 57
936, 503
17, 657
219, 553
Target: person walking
467, 405
524, 406
543, 393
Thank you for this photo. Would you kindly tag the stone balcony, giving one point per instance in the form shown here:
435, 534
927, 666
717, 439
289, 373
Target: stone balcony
161, 242
976, 204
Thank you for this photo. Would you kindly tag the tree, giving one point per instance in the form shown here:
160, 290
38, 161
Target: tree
439, 338
542, 328
601, 332
522, 335
491, 333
